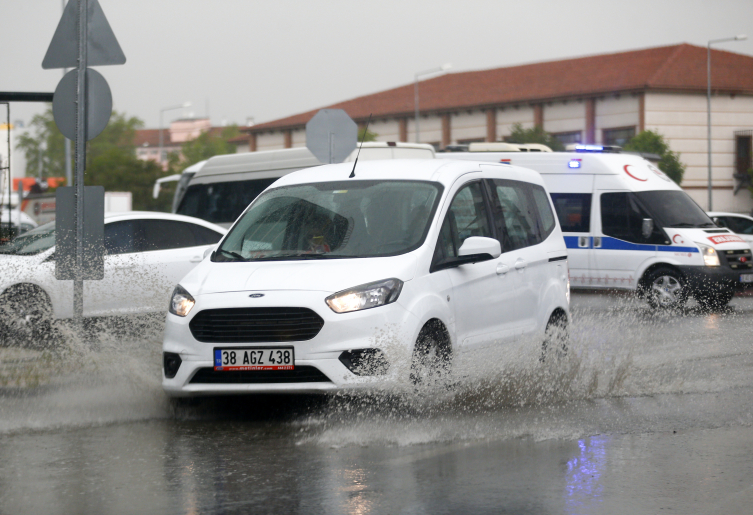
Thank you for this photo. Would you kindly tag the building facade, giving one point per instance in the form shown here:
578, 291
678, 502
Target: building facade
598, 99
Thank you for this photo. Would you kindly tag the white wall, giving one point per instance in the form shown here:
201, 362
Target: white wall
509, 115
565, 117
612, 113
270, 141
465, 125
386, 130
430, 127
682, 120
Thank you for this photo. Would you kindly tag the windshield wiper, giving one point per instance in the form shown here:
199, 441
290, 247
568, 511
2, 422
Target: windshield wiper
232, 254
684, 224
297, 257
707, 224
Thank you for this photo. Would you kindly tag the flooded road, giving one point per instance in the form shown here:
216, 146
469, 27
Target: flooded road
648, 413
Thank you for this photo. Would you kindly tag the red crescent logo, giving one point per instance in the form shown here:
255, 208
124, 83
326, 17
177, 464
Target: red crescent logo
633, 176
674, 239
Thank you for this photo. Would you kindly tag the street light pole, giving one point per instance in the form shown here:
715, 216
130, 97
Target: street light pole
161, 112
739, 37
440, 69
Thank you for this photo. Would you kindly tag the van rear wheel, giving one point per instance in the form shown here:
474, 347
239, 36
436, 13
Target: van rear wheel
665, 287
556, 337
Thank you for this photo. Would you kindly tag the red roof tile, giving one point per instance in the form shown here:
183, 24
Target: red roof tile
674, 68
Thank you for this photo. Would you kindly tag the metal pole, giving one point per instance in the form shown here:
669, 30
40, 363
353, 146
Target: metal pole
68, 171
159, 156
78, 283
10, 177
708, 120
415, 102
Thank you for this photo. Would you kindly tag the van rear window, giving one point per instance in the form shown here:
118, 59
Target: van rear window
573, 211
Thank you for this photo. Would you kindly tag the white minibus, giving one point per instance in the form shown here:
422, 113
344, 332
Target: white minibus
225, 185
627, 225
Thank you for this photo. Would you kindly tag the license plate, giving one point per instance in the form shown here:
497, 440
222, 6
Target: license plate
746, 278
254, 358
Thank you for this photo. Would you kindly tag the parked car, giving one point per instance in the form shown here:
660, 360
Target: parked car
146, 254
334, 277
740, 224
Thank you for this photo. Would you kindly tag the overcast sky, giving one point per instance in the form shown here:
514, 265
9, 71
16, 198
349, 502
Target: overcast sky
235, 59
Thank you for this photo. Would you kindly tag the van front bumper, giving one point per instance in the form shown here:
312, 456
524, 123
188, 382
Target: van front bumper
714, 278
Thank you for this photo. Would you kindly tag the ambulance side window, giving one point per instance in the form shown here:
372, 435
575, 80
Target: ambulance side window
622, 218
573, 211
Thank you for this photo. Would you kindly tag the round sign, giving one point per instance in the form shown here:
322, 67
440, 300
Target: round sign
98, 104
331, 135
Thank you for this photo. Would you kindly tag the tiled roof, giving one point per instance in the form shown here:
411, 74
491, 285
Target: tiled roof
670, 68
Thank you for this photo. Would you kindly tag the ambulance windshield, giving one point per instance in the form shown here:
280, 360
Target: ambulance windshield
672, 208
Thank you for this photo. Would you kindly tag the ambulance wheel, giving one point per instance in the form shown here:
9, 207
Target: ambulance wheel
714, 300
665, 288
432, 355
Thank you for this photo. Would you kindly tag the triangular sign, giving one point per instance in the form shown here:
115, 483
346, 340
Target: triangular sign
103, 47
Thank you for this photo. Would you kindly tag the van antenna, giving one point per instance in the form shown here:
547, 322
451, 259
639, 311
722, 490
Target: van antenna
365, 131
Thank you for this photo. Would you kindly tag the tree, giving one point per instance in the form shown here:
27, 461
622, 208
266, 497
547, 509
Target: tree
370, 136
44, 144
653, 142
208, 144
535, 134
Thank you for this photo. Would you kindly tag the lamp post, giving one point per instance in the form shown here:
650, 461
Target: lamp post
739, 37
439, 69
161, 112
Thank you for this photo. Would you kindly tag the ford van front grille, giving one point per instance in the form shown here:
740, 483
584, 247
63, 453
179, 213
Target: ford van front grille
301, 374
255, 325
738, 259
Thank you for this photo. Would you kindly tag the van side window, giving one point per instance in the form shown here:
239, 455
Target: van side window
546, 217
466, 217
514, 213
573, 211
622, 217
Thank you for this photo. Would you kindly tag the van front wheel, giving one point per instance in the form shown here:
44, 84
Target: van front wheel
665, 288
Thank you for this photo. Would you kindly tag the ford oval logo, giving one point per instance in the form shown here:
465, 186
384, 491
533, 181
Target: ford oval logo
256, 295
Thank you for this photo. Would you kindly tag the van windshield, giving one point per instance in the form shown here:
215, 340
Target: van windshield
672, 208
333, 220
221, 202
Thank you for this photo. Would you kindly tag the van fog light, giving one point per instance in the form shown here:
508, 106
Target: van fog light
365, 362
171, 363
366, 296
710, 256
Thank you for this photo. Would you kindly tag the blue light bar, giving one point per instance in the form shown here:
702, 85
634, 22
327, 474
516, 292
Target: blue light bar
574, 163
589, 148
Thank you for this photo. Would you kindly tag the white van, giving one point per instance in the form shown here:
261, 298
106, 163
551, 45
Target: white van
222, 188
629, 226
333, 280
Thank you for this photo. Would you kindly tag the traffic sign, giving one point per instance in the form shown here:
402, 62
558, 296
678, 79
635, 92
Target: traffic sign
102, 47
331, 135
98, 104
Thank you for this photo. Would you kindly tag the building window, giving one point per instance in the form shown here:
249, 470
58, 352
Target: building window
743, 151
618, 136
566, 138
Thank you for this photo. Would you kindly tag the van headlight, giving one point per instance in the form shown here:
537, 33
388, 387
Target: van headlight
710, 256
181, 302
366, 296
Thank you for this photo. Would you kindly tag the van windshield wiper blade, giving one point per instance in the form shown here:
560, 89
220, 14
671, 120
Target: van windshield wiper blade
297, 257
232, 254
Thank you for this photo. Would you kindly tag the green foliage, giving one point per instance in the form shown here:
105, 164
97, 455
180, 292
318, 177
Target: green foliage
110, 158
370, 136
653, 142
45, 144
535, 134
208, 144
118, 169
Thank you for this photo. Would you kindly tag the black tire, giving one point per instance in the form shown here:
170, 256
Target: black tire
714, 300
556, 337
665, 288
432, 355
26, 316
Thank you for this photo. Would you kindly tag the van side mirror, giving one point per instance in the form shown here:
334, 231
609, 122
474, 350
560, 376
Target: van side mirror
647, 228
480, 246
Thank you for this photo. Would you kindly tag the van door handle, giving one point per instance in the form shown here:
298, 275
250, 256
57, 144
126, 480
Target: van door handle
520, 264
502, 269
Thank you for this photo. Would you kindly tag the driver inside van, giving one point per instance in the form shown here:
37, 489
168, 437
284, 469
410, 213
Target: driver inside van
315, 236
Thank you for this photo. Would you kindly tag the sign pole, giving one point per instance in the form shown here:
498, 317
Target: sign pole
83, 36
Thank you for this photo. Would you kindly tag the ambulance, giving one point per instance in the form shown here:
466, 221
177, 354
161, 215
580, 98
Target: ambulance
628, 226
